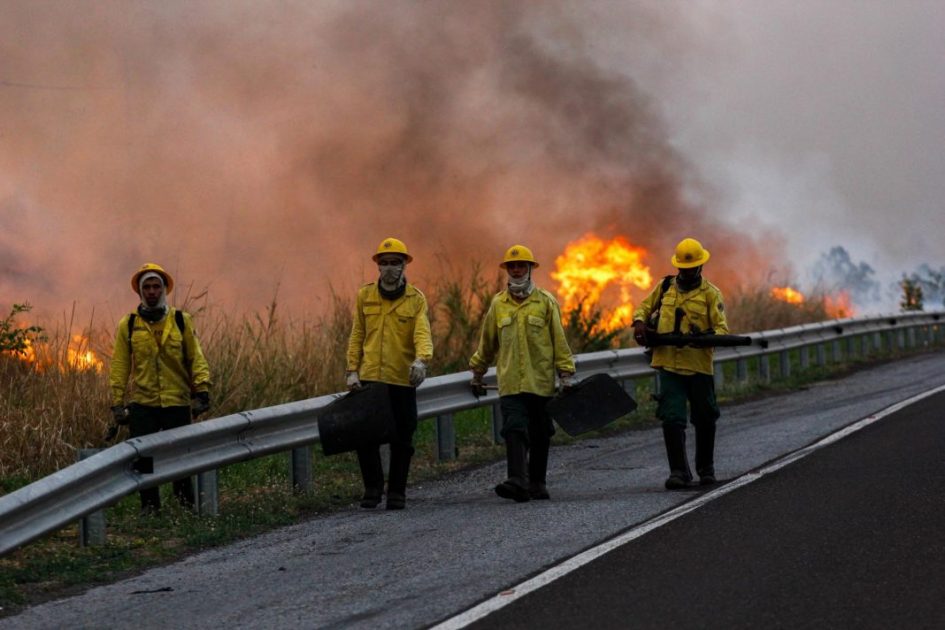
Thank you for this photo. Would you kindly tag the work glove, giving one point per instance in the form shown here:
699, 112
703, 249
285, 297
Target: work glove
352, 380
418, 372
120, 414
477, 385
199, 403
565, 381
639, 332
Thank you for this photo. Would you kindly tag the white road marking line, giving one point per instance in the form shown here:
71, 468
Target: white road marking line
508, 596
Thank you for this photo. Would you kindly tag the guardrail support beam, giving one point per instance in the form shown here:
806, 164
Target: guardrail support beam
718, 374
208, 493
741, 371
784, 359
302, 469
445, 438
92, 526
497, 424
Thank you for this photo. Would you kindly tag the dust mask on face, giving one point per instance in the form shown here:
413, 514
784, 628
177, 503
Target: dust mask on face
521, 287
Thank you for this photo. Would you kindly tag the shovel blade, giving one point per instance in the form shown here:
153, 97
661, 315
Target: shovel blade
593, 403
362, 417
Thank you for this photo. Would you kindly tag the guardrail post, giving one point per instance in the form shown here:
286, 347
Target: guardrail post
785, 363
719, 375
804, 356
385, 458
656, 384
445, 438
836, 351
91, 526
208, 493
878, 342
910, 338
497, 424
852, 347
764, 368
741, 371
821, 355
301, 469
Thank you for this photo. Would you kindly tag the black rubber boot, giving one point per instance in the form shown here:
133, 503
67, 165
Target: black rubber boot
537, 470
400, 457
705, 453
372, 473
680, 477
516, 486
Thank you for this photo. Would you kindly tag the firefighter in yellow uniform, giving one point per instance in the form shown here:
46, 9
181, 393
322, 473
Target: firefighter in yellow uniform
687, 303
158, 348
523, 335
390, 343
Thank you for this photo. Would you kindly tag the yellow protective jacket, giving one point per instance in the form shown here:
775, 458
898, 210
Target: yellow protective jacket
529, 340
702, 310
387, 335
156, 362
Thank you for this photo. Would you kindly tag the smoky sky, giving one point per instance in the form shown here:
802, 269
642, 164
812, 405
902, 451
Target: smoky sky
256, 146
825, 118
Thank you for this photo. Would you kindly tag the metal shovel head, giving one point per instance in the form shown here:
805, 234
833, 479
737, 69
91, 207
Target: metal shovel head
592, 404
362, 417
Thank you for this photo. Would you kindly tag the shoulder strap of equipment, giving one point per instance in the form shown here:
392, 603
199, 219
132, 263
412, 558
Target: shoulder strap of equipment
178, 318
663, 286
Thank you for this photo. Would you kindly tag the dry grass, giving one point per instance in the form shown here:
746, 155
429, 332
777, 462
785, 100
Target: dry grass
259, 360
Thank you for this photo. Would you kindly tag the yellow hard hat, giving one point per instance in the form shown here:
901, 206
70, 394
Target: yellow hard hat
392, 245
145, 268
690, 253
518, 253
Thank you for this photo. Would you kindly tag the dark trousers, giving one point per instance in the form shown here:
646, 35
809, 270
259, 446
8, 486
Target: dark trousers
403, 402
525, 422
145, 420
698, 390
676, 390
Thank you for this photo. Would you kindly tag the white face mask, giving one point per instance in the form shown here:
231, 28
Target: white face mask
521, 287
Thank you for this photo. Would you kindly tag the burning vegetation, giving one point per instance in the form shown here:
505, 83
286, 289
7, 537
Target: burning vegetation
597, 273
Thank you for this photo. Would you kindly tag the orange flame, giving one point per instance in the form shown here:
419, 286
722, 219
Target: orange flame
78, 356
836, 306
591, 269
787, 294
839, 306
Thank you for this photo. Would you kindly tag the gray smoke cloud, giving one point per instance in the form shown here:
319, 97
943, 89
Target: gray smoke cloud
247, 145
825, 118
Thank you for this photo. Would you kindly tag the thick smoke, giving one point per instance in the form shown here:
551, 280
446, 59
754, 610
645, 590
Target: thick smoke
251, 145
836, 271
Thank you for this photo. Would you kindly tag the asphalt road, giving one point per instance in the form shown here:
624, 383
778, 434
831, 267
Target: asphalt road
457, 544
850, 536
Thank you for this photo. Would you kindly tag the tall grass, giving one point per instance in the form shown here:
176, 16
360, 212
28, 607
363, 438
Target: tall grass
268, 358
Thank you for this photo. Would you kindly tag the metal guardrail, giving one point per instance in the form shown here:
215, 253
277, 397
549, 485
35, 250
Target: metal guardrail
144, 462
